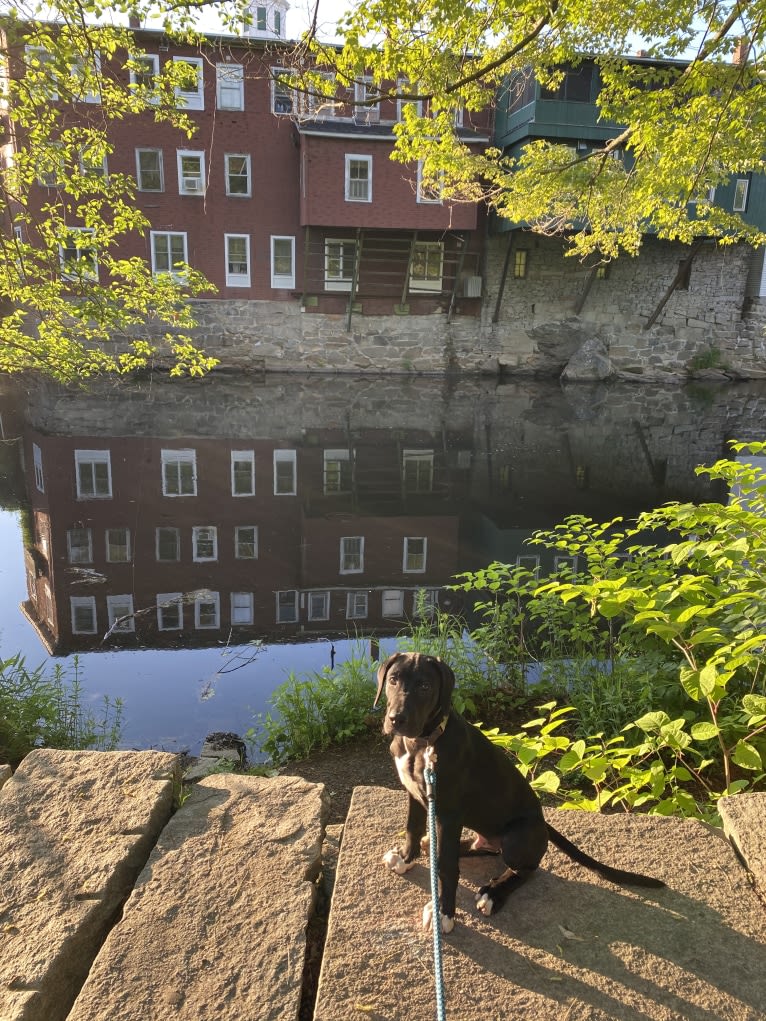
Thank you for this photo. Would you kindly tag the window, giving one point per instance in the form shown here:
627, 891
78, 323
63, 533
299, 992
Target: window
358, 178
284, 473
245, 542
119, 610
424, 602
428, 191
337, 471
49, 166
414, 561
282, 262
204, 543
191, 95
520, 263
259, 19
78, 255
87, 80
356, 605
242, 607
207, 610
230, 86
352, 554
146, 68
79, 544
319, 605
94, 474
168, 543
237, 259
170, 611
393, 602
83, 612
287, 607
242, 472
741, 189
529, 563
41, 71
118, 545
363, 94
237, 166
92, 165
282, 92
426, 266
179, 472
277, 23
191, 172
149, 170
418, 471
564, 563
403, 86
168, 253
339, 260
37, 458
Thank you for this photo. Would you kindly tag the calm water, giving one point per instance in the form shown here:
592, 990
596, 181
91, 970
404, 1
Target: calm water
194, 542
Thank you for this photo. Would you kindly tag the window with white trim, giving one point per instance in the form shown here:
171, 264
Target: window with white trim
339, 261
92, 165
119, 610
168, 252
337, 471
40, 70
364, 93
83, 613
79, 544
403, 86
150, 174
207, 611
242, 607
428, 192
191, 172
191, 95
204, 543
237, 174
352, 554
282, 261
179, 472
427, 266
741, 188
242, 472
118, 545
170, 611
418, 471
319, 605
282, 92
145, 70
414, 558
37, 460
425, 602
393, 602
77, 255
356, 605
230, 86
237, 247
246, 542
285, 473
287, 606
259, 19
87, 78
168, 543
93, 470
358, 178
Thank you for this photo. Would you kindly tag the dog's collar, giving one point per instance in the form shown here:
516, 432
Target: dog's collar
435, 734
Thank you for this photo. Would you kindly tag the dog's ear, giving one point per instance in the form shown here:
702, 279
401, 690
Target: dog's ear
382, 671
447, 685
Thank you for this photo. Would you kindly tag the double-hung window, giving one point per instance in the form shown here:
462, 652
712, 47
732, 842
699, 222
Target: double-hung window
94, 474
168, 252
145, 70
358, 178
41, 71
356, 605
404, 89
282, 91
77, 255
79, 543
246, 542
337, 471
428, 191
242, 472
427, 266
365, 110
207, 610
352, 554
282, 262
179, 472
119, 611
204, 543
191, 172
287, 607
170, 611
149, 170
414, 559
86, 76
237, 167
83, 611
168, 544
118, 545
237, 260
339, 261
393, 602
230, 86
741, 188
319, 605
191, 94
242, 607
285, 473
418, 471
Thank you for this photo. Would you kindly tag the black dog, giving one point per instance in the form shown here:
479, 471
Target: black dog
477, 786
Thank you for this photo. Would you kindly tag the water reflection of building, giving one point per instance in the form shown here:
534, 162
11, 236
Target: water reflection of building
203, 513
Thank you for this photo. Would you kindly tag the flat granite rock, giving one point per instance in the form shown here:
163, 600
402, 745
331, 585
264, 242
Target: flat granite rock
215, 927
744, 823
567, 945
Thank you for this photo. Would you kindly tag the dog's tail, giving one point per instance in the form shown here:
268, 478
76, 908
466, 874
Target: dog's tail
613, 875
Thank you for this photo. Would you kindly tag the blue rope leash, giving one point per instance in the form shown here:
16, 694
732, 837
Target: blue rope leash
436, 918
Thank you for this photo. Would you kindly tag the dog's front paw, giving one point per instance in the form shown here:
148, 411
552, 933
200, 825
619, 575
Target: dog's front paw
448, 924
484, 902
393, 860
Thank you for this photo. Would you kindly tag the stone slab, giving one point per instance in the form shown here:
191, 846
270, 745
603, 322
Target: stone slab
5, 774
215, 928
744, 823
567, 945
76, 828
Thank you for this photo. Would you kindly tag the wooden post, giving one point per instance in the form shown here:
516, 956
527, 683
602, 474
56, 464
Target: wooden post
503, 277
683, 269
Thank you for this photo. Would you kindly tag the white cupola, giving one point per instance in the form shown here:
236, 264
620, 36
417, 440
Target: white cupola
269, 19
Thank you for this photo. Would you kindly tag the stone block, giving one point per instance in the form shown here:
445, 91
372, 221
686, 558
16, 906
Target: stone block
744, 823
5, 774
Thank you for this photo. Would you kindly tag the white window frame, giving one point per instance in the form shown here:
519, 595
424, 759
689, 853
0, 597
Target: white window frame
346, 554
429, 598
351, 184
418, 458
83, 552
338, 457
43, 57
207, 598
280, 281
37, 460
109, 545
185, 455
357, 605
238, 542
93, 170
241, 601
82, 252
365, 114
406, 554
160, 168
284, 457
164, 601
83, 457
77, 71
191, 183
120, 606
230, 86
137, 76
247, 193
393, 596
82, 603
423, 196
427, 284
188, 99
279, 617
404, 85
282, 72
154, 236
741, 190
177, 532
207, 534
243, 457
318, 604
338, 281
236, 279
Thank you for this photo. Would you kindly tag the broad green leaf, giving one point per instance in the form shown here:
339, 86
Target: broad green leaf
704, 731
747, 756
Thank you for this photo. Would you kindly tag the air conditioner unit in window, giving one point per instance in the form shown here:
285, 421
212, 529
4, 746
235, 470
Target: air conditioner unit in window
192, 184
472, 287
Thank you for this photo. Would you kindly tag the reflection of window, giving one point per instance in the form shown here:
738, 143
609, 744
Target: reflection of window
287, 607
337, 471
168, 250
170, 611
414, 560
118, 545
242, 472
424, 602
426, 267
242, 607
565, 563
393, 602
237, 166
520, 263
37, 457
339, 259
83, 611
179, 472
418, 470
740, 195
245, 542
168, 543
191, 172
282, 261
206, 610
352, 554
282, 93
149, 170
191, 95
204, 542
356, 605
358, 179
94, 474
529, 563
237, 259
120, 613
284, 473
230, 86
79, 546
319, 605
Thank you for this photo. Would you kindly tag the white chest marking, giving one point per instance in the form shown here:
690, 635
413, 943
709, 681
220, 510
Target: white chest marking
409, 782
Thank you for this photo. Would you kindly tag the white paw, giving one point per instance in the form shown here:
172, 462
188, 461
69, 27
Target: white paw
485, 904
394, 861
448, 924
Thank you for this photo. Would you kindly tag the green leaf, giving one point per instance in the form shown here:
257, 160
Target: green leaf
704, 731
747, 756
547, 782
